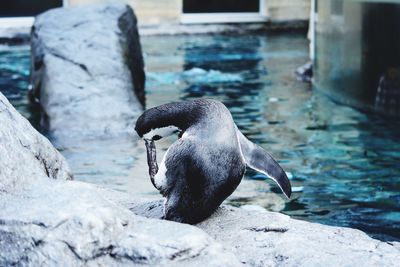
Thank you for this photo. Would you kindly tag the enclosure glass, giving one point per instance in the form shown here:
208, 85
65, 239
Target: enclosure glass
357, 55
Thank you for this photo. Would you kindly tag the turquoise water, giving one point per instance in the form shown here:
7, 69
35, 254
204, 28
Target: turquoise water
14, 75
343, 164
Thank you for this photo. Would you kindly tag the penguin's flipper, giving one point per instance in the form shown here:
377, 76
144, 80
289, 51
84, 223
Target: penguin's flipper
260, 160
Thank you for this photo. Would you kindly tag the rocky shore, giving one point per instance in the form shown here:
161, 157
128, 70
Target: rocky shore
48, 219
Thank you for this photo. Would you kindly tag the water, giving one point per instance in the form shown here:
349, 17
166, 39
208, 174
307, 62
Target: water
343, 164
14, 76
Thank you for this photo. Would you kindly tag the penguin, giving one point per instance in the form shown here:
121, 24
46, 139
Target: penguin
208, 161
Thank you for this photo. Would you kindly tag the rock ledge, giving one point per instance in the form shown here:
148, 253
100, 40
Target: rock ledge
96, 92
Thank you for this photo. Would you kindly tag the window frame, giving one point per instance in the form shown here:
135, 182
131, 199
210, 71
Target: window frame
226, 17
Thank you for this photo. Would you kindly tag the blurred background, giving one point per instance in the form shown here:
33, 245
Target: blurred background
316, 83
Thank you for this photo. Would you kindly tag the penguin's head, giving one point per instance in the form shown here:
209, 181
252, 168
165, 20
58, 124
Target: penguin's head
151, 127
164, 120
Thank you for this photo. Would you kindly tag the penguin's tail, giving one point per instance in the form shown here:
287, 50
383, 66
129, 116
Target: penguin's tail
260, 160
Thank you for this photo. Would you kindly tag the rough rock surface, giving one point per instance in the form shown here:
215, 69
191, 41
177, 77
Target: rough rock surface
25, 154
54, 223
57, 222
87, 70
262, 238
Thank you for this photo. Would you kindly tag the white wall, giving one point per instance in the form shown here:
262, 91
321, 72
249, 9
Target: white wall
169, 11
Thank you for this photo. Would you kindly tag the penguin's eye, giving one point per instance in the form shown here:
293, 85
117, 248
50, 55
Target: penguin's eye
156, 137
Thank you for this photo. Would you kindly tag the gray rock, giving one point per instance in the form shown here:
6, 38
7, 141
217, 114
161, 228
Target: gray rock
70, 223
25, 154
274, 239
87, 71
262, 238
48, 220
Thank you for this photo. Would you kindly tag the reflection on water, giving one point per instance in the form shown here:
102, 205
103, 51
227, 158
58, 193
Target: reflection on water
343, 164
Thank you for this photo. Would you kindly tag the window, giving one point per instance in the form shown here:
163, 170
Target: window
215, 11
27, 8
17, 13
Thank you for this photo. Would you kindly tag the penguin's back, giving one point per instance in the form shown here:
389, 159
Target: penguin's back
215, 125
204, 166
199, 178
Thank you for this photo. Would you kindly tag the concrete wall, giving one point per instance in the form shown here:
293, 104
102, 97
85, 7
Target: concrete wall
286, 10
169, 11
